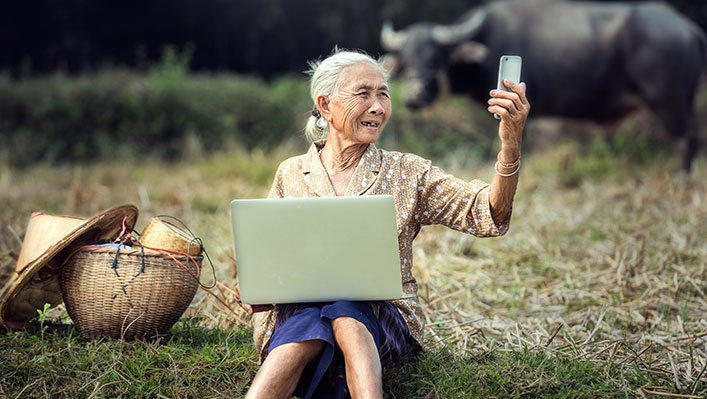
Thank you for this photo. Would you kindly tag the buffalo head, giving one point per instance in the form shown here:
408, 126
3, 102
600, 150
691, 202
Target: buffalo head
421, 52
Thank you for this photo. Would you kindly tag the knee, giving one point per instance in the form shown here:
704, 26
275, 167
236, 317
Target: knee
308, 350
300, 352
347, 324
348, 329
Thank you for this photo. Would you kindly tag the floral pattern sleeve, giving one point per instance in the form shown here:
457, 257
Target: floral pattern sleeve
455, 203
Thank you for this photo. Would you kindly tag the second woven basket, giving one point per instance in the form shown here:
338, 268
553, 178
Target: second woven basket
161, 233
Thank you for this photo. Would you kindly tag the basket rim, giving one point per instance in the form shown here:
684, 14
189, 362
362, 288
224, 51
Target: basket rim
130, 252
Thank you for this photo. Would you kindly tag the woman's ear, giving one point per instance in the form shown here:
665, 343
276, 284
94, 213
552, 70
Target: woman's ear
323, 105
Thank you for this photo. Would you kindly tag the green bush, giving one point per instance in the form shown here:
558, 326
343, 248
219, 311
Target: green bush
119, 113
168, 112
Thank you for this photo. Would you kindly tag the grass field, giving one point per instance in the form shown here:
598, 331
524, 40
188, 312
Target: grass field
598, 290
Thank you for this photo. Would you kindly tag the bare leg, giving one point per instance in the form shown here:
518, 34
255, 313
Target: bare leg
281, 370
363, 366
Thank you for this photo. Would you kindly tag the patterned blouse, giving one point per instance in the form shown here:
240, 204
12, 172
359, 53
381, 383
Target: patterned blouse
423, 194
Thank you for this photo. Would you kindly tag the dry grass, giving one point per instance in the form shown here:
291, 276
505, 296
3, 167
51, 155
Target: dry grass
611, 268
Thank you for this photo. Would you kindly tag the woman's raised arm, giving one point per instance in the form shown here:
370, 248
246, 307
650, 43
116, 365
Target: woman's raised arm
513, 108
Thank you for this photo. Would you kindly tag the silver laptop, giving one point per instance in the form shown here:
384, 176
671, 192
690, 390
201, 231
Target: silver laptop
316, 249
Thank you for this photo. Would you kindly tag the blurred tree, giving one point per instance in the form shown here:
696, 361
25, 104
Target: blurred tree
264, 37
261, 37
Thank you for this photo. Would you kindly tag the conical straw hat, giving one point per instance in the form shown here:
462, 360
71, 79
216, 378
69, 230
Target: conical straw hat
46, 236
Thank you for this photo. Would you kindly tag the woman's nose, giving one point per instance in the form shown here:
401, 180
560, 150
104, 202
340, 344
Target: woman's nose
376, 107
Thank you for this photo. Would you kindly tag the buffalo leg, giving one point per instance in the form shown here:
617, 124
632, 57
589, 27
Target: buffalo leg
691, 144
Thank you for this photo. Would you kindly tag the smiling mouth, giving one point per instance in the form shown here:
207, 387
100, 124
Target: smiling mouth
370, 124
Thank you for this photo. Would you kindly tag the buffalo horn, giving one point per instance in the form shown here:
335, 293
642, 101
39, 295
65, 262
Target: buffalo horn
390, 39
454, 34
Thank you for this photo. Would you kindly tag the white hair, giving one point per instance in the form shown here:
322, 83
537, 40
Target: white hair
325, 80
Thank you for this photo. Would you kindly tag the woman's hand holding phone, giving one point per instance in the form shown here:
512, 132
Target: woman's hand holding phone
513, 108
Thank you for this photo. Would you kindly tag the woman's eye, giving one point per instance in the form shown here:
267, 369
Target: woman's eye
362, 93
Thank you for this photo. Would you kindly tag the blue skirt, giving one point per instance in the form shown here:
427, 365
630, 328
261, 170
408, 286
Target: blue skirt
324, 377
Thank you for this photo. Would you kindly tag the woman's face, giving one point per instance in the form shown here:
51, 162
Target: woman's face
358, 111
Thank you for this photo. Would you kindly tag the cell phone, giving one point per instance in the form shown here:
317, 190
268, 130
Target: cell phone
508, 68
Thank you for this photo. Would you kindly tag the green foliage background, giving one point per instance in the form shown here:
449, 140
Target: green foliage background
125, 113
171, 113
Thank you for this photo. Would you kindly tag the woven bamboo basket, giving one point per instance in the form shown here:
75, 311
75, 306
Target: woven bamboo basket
160, 233
128, 301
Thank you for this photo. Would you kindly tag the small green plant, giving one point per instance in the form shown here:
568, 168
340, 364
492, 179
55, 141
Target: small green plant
42, 318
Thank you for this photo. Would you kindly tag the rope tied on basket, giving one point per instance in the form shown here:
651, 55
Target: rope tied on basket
114, 264
193, 241
126, 240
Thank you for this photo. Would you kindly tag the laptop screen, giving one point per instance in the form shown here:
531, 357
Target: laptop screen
316, 249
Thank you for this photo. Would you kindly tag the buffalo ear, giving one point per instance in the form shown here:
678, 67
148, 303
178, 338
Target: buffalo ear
391, 63
469, 52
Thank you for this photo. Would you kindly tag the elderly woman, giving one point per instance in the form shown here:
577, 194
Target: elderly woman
338, 349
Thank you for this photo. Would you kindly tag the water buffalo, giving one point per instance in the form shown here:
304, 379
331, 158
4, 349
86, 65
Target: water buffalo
592, 61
